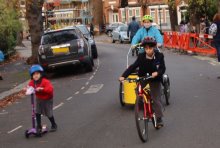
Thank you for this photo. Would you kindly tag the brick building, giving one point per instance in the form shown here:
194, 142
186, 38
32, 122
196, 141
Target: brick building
158, 9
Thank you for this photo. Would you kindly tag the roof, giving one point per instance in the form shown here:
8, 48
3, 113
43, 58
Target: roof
63, 29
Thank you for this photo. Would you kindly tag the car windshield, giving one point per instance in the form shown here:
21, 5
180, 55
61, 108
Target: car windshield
124, 29
83, 29
59, 37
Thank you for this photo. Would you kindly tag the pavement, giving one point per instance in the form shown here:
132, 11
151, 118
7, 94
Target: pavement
88, 112
15, 73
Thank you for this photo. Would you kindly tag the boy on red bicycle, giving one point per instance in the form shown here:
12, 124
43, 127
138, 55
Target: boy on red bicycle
150, 62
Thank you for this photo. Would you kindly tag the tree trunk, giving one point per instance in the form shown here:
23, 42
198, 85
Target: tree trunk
97, 13
173, 17
35, 22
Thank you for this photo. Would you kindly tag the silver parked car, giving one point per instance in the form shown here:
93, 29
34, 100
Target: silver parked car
120, 34
109, 28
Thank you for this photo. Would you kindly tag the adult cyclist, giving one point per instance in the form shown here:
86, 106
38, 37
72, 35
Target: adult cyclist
147, 31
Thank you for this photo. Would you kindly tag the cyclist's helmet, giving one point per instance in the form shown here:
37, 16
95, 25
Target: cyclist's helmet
149, 41
147, 18
35, 68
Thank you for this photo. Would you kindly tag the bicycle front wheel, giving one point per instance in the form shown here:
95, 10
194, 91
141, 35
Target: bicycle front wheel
141, 119
167, 92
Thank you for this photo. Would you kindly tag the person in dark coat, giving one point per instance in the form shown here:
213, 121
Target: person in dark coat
132, 28
216, 38
92, 29
150, 62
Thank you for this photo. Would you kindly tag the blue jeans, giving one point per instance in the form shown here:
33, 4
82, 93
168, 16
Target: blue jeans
217, 46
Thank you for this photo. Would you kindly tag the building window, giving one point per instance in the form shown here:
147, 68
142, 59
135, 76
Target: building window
160, 16
115, 17
137, 14
123, 15
167, 17
152, 14
130, 14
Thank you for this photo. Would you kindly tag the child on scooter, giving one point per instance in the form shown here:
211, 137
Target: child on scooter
44, 96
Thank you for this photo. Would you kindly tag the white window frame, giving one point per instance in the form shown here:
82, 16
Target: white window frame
167, 19
115, 18
123, 15
153, 14
158, 15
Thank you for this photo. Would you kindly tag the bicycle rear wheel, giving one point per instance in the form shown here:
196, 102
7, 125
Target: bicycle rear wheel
141, 119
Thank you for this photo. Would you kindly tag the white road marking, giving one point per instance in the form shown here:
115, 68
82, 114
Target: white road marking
94, 89
9, 132
77, 93
4, 113
87, 83
94, 73
58, 106
82, 88
69, 98
213, 64
78, 79
91, 77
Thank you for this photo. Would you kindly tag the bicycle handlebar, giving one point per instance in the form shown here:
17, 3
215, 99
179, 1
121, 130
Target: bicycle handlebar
130, 80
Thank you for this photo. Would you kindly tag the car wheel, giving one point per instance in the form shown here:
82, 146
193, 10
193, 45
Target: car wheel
95, 53
89, 66
120, 40
109, 33
113, 41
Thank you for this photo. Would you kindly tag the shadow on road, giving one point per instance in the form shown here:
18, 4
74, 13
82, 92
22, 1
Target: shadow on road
65, 72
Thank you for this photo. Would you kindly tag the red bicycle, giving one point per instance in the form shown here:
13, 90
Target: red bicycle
143, 107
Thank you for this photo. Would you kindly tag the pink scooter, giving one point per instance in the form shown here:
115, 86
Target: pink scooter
33, 130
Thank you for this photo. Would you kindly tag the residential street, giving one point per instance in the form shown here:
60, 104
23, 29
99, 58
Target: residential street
88, 112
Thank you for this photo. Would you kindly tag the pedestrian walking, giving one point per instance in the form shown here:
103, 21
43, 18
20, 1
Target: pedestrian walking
92, 29
44, 96
183, 27
202, 26
215, 30
132, 28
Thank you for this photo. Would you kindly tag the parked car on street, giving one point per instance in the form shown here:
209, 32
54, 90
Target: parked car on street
109, 28
87, 35
120, 34
64, 47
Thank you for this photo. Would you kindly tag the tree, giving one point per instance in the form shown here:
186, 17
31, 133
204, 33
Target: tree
218, 4
35, 22
173, 14
10, 26
201, 8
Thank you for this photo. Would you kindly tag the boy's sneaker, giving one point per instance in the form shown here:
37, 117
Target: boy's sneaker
159, 123
53, 128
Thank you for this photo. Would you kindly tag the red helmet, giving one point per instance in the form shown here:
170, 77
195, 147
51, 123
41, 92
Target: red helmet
149, 41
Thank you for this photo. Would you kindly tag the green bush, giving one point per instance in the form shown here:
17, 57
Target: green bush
10, 26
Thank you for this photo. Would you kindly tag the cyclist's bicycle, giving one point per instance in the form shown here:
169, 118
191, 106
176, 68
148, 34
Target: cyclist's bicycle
143, 107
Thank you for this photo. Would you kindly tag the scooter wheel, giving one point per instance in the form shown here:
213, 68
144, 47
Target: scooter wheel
27, 134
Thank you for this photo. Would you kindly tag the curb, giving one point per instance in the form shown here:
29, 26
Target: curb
14, 90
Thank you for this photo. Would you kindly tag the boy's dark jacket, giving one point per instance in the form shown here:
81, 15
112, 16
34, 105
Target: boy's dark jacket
145, 65
47, 92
